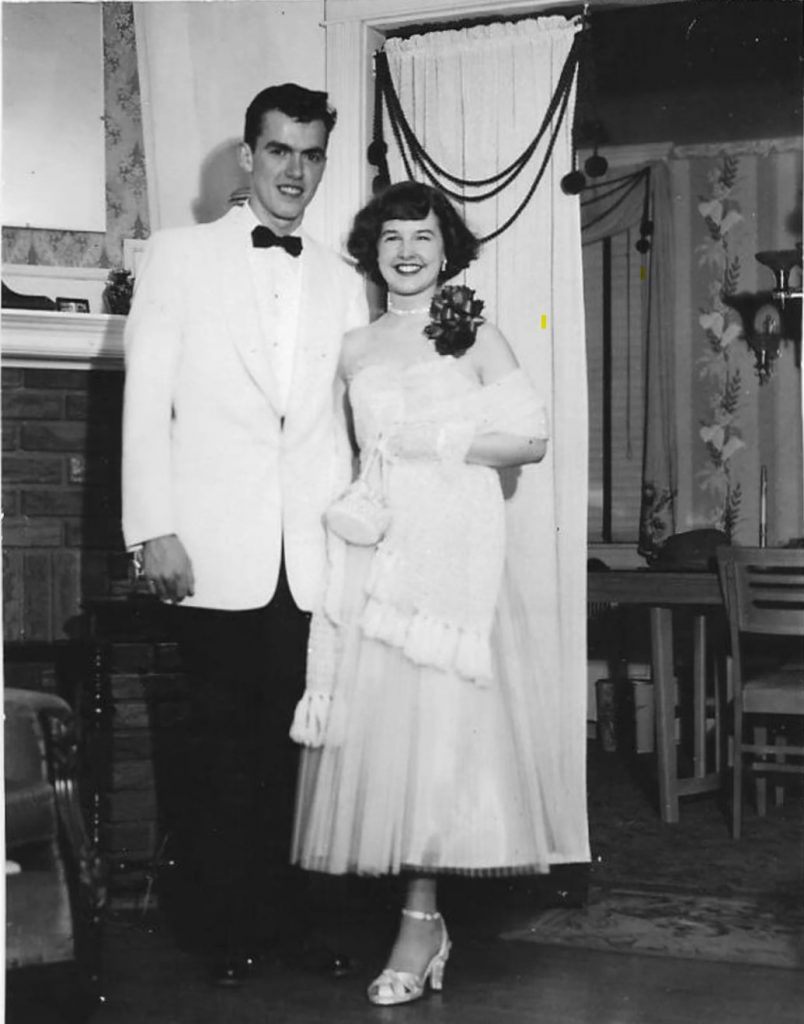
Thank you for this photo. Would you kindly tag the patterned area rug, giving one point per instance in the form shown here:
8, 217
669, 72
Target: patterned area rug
684, 890
673, 924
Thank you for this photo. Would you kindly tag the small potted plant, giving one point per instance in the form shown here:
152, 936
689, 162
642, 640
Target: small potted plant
118, 291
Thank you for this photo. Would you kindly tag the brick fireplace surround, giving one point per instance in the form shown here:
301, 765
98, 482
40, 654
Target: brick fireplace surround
70, 623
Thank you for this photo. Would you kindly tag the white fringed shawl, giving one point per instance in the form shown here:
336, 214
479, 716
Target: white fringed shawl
438, 610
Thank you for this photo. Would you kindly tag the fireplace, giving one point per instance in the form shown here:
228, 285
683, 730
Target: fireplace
71, 625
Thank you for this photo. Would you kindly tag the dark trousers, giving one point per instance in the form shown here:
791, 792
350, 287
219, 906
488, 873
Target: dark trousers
246, 673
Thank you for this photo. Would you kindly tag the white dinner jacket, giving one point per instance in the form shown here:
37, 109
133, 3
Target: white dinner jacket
206, 455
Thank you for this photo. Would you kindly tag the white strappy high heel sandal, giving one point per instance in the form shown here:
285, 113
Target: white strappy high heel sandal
394, 987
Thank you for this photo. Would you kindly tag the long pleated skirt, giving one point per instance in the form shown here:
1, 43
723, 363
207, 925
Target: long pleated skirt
430, 772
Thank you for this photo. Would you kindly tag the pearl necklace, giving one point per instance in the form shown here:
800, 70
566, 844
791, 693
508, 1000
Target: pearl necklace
408, 312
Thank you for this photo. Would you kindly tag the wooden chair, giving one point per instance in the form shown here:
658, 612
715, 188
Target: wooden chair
764, 593
54, 878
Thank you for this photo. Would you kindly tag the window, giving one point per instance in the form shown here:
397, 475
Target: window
615, 296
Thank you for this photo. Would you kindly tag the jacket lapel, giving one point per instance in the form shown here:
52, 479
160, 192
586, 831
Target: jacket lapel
241, 309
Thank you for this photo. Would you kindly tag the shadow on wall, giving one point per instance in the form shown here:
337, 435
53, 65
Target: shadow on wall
220, 175
793, 223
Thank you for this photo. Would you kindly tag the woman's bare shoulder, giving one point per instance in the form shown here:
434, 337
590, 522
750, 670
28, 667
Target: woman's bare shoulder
353, 346
492, 354
490, 337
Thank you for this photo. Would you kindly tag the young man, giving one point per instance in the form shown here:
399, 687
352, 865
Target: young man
232, 448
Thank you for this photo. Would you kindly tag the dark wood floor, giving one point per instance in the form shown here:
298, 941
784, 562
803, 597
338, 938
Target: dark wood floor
148, 980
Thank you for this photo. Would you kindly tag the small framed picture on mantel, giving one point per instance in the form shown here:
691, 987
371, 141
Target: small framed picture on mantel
65, 305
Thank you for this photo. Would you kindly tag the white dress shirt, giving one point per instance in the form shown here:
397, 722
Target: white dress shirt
277, 283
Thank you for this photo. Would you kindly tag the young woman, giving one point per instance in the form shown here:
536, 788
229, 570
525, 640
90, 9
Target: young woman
422, 713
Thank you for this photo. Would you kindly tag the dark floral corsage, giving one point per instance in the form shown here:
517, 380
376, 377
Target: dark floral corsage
454, 319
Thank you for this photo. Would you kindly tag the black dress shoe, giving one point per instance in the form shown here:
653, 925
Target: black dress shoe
323, 960
318, 959
339, 965
232, 971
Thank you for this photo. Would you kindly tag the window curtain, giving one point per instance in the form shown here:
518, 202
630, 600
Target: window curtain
659, 471
475, 98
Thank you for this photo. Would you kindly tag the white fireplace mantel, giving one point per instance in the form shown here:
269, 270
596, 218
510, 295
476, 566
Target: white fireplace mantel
68, 341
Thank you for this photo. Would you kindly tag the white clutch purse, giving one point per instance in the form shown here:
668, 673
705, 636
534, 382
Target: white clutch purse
361, 514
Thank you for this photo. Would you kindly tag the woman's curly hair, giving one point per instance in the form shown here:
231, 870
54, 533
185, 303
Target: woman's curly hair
411, 200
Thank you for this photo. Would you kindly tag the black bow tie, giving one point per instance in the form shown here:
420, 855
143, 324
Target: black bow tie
263, 238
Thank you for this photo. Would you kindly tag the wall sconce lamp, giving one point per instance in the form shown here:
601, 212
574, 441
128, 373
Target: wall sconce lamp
771, 318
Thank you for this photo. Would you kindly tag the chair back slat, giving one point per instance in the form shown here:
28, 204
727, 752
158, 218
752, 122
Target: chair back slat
764, 589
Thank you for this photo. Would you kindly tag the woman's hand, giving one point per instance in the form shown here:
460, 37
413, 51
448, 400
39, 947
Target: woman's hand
445, 442
412, 441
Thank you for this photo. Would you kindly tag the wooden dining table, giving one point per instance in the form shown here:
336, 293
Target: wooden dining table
661, 592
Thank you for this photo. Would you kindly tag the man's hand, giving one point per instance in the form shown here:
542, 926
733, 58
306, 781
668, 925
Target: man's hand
167, 567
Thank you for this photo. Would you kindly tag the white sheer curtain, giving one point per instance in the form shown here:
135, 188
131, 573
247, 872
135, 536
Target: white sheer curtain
200, 65
475, 98
606, 215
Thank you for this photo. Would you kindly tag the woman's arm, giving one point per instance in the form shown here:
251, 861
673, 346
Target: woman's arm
502, 450
352, 348
493, 358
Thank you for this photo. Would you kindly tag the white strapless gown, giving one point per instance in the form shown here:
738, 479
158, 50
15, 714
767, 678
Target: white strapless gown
435, 768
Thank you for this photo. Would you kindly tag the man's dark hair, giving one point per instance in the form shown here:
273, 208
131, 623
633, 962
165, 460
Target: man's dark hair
295, 101
411, 200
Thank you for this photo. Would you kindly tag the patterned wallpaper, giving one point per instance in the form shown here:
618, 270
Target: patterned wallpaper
732, 202
126, 193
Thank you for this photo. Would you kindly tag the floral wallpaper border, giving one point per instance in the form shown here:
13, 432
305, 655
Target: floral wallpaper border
720, 431
126, 190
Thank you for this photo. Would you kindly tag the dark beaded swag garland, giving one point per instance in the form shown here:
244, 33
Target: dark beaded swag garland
454, 319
